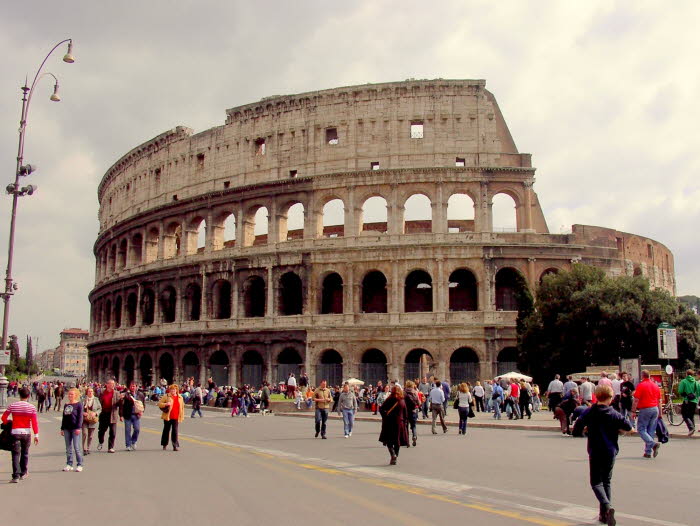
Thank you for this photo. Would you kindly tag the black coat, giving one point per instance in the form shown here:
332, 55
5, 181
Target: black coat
394, 418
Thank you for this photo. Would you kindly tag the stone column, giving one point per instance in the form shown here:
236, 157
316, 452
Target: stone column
139, 310
349, 292
440, 287
234, 296
439, 211
273, 227
179, 300
270, 303
396, 296
528, 207
161, 241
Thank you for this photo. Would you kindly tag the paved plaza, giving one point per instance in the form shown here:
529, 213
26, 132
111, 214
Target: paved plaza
271, 469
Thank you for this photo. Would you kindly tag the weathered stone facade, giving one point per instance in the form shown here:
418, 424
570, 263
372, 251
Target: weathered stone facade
390, 298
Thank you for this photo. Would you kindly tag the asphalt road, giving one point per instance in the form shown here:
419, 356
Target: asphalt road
269, 469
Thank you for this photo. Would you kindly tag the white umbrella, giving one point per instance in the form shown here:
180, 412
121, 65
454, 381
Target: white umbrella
513, 375
354, 381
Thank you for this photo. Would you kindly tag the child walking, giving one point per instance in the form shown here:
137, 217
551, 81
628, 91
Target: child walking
603, 425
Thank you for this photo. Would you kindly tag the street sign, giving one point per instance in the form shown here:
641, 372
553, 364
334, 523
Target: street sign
669, 369
5, 357
667, 341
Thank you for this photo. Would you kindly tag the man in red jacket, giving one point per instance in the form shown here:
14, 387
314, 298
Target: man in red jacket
647, 405
24, 421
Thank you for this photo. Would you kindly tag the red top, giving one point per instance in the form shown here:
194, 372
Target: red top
647, 394
106, 401
24, 418
175, 409
514, 390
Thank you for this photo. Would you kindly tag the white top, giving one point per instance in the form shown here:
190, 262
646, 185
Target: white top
478, 391
464, 399
292, 382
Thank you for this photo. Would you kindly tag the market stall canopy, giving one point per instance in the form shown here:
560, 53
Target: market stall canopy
513, 375
355, 381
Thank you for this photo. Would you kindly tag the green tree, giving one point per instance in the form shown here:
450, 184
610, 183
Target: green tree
582, 317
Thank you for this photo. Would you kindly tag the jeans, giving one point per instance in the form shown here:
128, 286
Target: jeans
73, 443
600, 475
320, 419
132, 436
496, 408
424, 407
512, 402
412, 419
463, 417
348, 421
646, 426
20, 455
196, 409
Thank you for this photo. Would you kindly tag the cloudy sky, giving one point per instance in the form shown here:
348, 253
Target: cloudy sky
603, 94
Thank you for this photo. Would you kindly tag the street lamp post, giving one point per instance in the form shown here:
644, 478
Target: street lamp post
16, 191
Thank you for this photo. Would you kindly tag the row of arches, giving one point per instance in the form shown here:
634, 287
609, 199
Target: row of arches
257, 224
251, 368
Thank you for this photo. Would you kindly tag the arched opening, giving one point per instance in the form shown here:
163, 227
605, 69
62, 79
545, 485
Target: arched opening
129, 367
223, 230
288, 361
116, 370
146, 369
221, 299
504, 214
121, 256
418, 292
108, 314
230, 231
252, 369
333, 218
254, 297
147, 306
511, 288
190, 366
291, 225
166, 367
113, 259
417, 364
330, 368
118, 312
417, 215
219, 364
374, 215
290, 294
373, 367
259, 227
172, 240
136, 250
460, 213
97, 316
332, 294
374, 293
152, 241
507, 361
105, 369
553, 271
464, 366
463, 290
201, 236
193, 302
131, 307
168, 301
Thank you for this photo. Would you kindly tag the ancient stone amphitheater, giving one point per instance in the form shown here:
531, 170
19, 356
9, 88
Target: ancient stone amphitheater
283, 241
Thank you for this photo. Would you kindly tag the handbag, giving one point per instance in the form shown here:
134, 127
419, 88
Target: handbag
138, 407
90, 417
6, 439
456, 403
471, 412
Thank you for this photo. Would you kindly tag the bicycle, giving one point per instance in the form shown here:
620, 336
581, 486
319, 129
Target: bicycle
672, 410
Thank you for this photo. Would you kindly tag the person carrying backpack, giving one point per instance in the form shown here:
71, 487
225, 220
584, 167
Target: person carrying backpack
689, 389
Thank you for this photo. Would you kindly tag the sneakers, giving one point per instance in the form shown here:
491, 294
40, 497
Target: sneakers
655, 449
24, 477
414, 441
350, 434
646, 455
99, 447
128, 448
79, 469
346, 436
14, 481
68, 468
111, 450
133, 447
691, 432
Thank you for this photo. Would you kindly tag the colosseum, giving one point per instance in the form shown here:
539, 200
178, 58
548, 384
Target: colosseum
283, 241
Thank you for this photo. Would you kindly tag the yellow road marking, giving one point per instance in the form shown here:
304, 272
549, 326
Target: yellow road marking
405, 488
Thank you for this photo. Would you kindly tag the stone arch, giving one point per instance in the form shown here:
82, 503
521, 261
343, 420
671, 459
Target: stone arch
330, 367
219, 365
121, 254
148, 301
291, 300
507, 361
288, 361
118, 312
196, 238
131, 308
166, 367
417, 214
191, 365
116, 369
374, 215
463, 290
417, 364
291, 221
464, 366
255, 225
146, 369
172, 240
418, 292
252, 368
332, 294
504, 212
511, 288
374, 292
221, 299
333, 218
193, 302
136, 250
129, 369
373, 367
254, 297
548, 272
113, 259
460, 213
223, 227
152, 241
108, 314
168, 304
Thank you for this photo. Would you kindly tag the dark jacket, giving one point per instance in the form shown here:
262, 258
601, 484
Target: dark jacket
126, 404
410, 398
604, 425
394, 418
72, 417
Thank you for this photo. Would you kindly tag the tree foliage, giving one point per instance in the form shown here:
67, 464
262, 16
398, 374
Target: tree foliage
582, 317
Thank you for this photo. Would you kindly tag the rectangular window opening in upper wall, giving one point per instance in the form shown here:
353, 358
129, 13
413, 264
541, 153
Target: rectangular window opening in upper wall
332, 136
260, 146
200, 161
416, 129
374, 165
459, 161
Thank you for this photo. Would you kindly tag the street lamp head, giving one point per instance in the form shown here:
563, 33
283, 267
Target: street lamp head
68, 57
55, 97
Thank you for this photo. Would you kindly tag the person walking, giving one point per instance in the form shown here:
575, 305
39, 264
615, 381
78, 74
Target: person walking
463, 401
58, 395
71, 426
626, 395
536, 403
424, 387
394, 433
554, 393
109, 416
347, 406
24, 421
323, 399
197, 399
646, 407
131, 408
437, 405
689, 389
291, 386
524, 400
412, 406
496, 399
40, 398
91, 408
604, 425
172, 406
479, 397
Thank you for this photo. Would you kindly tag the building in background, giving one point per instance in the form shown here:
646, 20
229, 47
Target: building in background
70, 357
